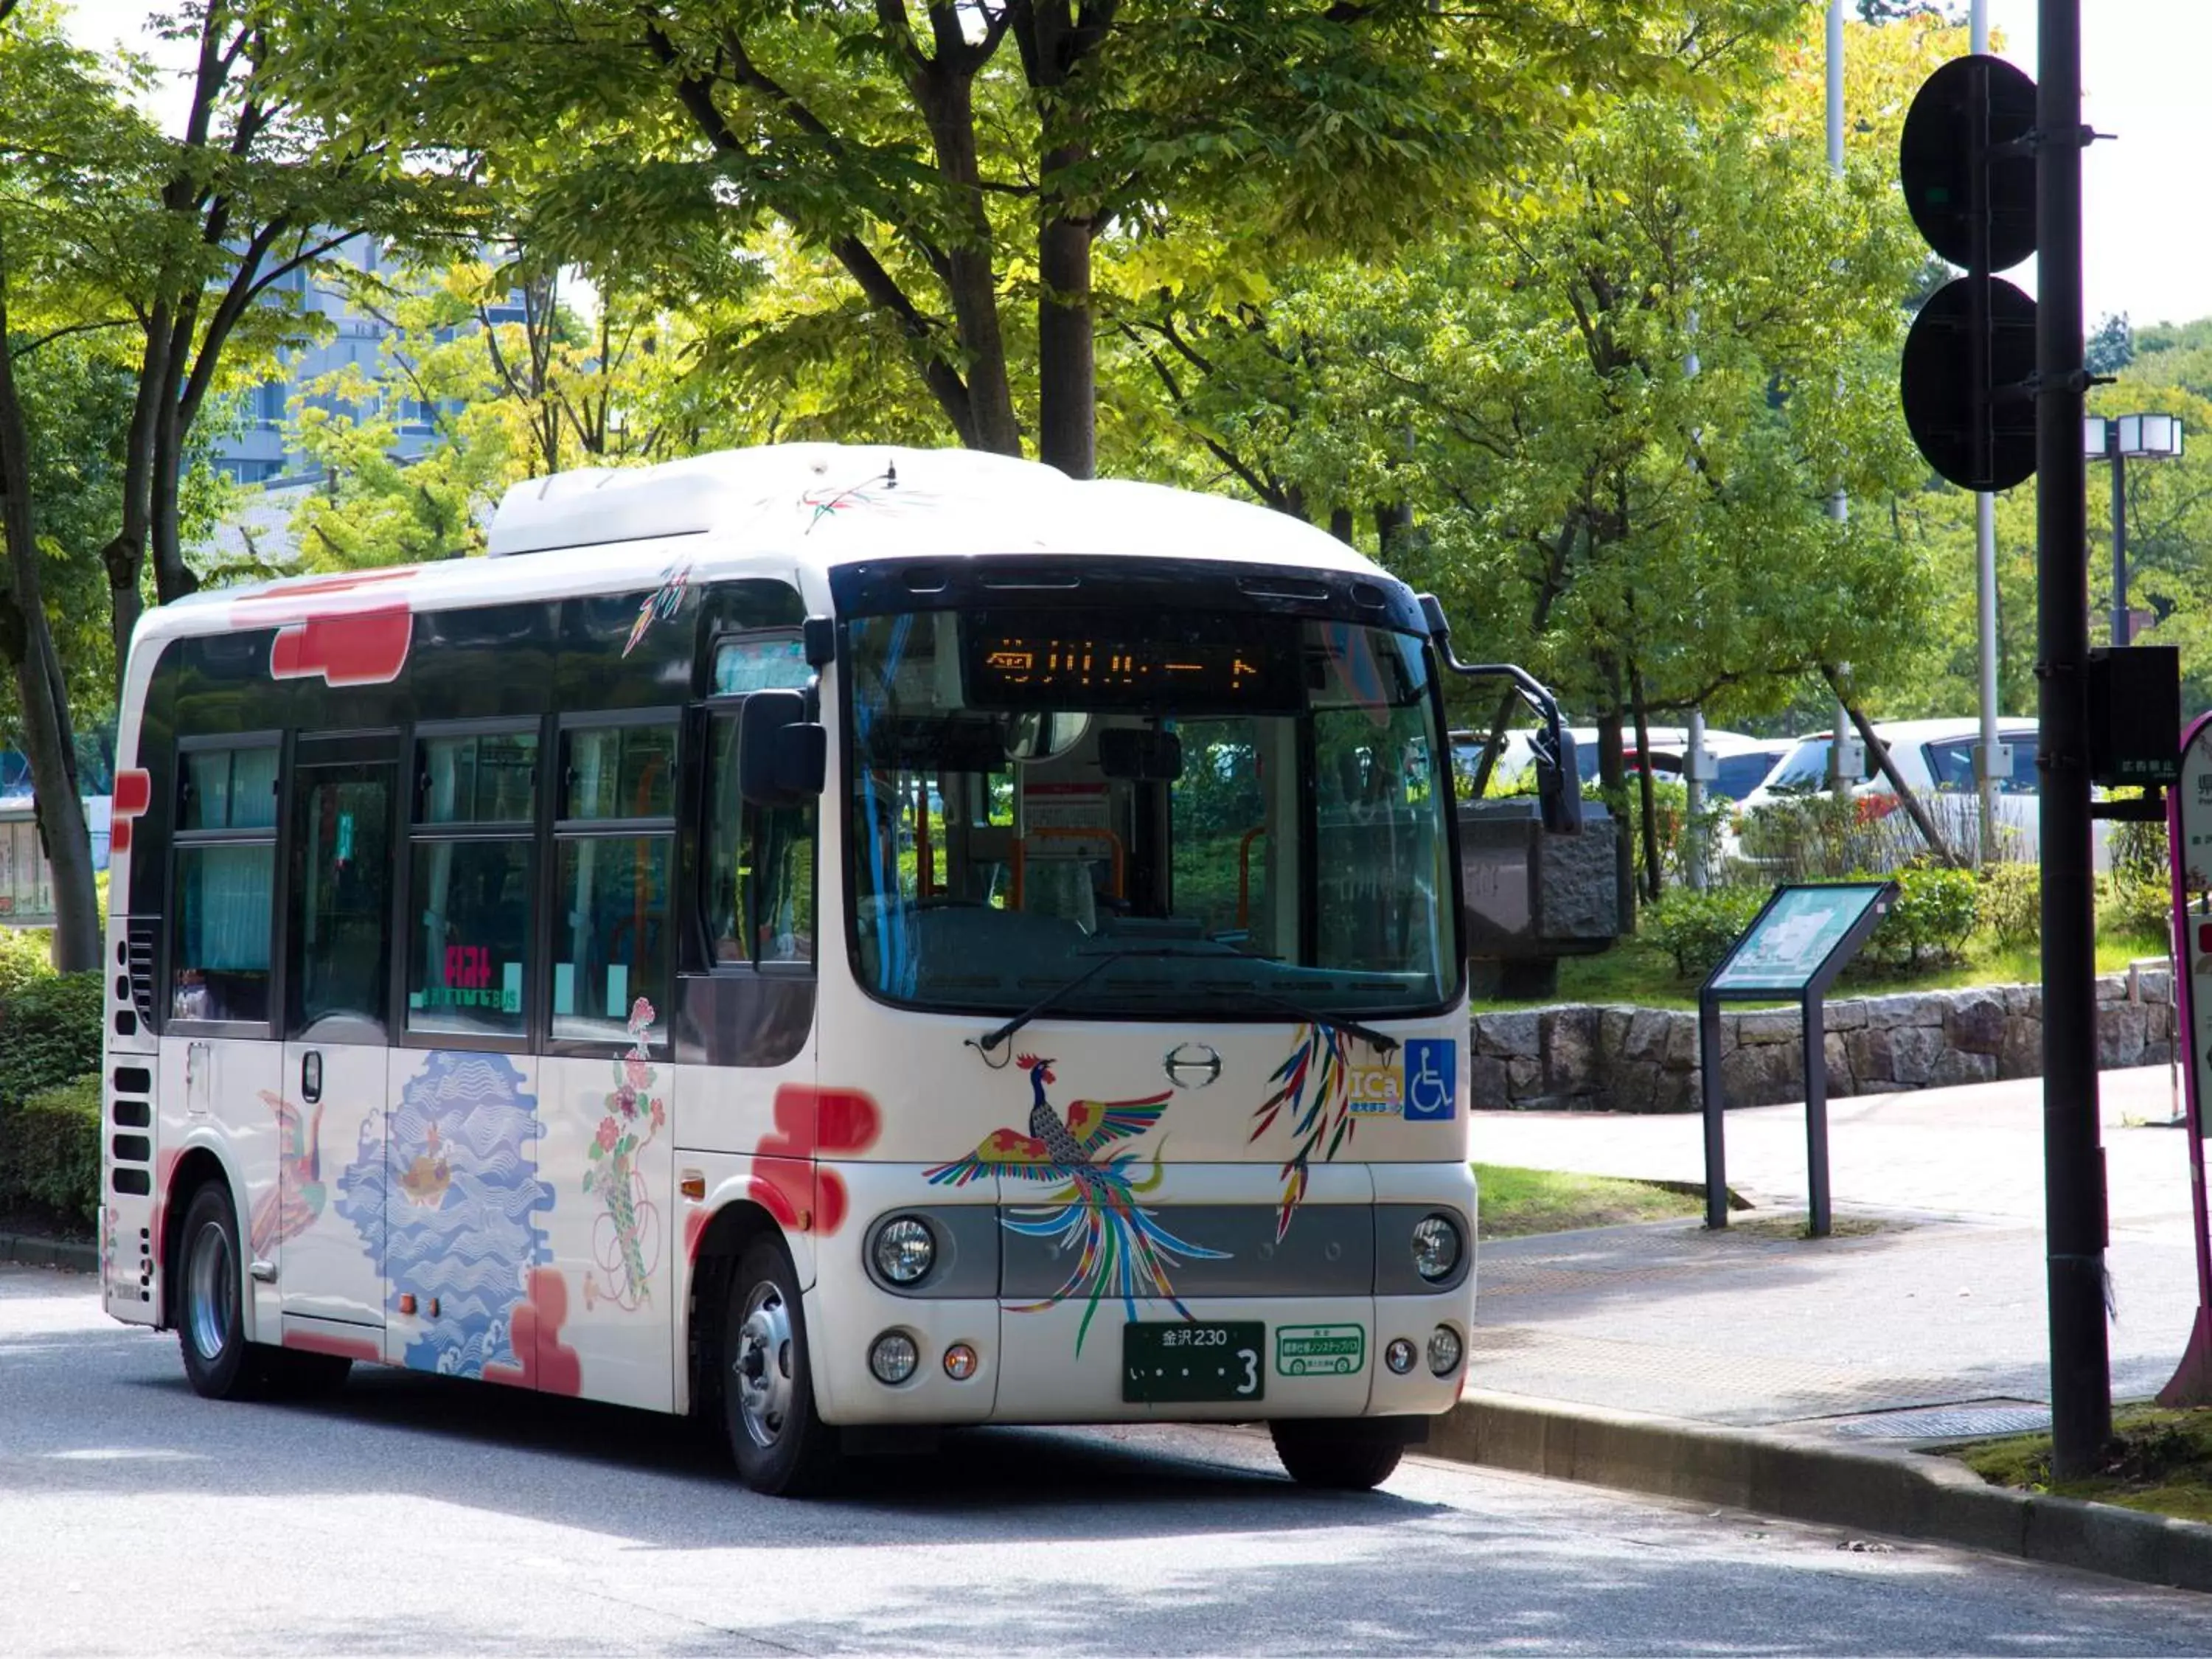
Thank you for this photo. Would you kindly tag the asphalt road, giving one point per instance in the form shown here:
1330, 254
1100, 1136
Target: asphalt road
412, 1515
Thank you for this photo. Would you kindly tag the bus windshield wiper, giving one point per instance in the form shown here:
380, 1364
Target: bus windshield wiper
991, 1039
1382, 1042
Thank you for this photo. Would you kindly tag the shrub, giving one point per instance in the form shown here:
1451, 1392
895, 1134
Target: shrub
2129, 903
1696, 929
50, 1150
2012, 904
1935, 912
50, 1030
26, 954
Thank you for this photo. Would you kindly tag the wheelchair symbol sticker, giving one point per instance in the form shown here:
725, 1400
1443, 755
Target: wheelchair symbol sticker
1431, 1080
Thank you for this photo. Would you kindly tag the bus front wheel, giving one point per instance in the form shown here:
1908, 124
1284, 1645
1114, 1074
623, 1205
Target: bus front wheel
782, 1446
1340, 1453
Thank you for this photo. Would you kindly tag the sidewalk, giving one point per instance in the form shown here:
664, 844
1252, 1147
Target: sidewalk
1811, 1367
1941, 1305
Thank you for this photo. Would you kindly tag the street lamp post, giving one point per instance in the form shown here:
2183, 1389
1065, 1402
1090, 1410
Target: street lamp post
2119, 440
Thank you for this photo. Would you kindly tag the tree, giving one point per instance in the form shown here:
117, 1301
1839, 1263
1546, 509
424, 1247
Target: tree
511, 383
195, 243
2111, 346
166, 252
1605, 425
963, 164
63, 128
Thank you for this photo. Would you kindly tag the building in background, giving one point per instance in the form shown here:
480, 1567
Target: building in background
259, 451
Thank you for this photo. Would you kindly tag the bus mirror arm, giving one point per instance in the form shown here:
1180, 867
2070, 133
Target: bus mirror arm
1559, 780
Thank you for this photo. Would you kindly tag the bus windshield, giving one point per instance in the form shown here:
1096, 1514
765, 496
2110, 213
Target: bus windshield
1237, 815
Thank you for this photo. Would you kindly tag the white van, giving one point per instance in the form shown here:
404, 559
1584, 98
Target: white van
1740, 762
1935, 757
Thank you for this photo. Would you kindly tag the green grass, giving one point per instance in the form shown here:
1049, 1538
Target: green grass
1635, 972
2159, 1461
1518, 1202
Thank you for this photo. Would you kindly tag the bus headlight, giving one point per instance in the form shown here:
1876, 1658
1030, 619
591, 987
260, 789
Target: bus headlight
905, 1249
893, 1357
1436, 1247
1443, 1351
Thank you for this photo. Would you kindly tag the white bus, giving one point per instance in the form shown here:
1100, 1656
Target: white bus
839, 940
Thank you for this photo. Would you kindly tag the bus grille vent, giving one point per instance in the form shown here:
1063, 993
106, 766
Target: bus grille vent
143, 934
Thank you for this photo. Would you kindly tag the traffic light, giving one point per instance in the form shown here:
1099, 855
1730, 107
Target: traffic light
1969, 178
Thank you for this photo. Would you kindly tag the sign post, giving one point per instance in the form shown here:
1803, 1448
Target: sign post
2189, 845
1803, 937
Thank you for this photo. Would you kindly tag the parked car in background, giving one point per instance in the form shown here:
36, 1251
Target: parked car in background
1935, 758
1741, 761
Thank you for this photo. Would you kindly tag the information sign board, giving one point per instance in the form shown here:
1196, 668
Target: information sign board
1793, 936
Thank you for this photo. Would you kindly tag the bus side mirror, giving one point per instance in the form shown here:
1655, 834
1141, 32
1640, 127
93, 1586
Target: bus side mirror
783, 758
1560, 787
1559, 780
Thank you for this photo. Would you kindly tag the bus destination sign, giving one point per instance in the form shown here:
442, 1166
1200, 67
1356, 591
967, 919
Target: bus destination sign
1015, 664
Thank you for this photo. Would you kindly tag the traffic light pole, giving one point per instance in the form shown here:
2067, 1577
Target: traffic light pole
2074, 1159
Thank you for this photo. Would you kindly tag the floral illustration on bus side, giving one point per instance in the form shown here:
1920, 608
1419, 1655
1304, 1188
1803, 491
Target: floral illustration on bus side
626, 1237
294, 1205
1312, 1093
1121, 1247
448, 1207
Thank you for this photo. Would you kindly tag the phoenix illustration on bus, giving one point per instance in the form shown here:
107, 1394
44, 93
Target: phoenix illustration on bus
844, 942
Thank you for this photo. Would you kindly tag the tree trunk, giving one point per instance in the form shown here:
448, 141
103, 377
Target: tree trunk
1339, 524
28, 645
1068, 384
1646, 790
1880, 750
124, 555
1492, 744
1394, 527
1613, 785
947, 100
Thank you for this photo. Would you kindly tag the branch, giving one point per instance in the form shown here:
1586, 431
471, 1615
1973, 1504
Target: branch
30, 346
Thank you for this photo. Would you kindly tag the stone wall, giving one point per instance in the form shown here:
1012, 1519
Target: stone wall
1645, 1059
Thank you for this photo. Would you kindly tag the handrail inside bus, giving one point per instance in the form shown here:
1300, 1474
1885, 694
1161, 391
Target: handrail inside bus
1244, 874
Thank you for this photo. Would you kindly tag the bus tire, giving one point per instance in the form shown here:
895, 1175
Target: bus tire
219, 1363
782, 1446
1338, 1454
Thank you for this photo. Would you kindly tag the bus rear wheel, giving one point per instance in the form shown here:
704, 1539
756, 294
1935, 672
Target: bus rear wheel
1350, 1454
219, 1363
782, 1446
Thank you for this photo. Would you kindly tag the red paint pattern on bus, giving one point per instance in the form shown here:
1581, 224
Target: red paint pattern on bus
811, 1121
341, 1347
543, 1364
351, 647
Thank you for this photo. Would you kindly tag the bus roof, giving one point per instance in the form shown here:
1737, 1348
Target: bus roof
802, 506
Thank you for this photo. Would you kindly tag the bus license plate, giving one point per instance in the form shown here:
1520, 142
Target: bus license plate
1193, 1360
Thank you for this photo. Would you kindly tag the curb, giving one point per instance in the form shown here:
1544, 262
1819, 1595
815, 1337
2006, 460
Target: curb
1905, 1493
28, 1252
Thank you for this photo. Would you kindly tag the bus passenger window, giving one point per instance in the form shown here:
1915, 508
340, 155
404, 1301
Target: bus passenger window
473, 867
467, 969
226, 852
759, 869
611, 938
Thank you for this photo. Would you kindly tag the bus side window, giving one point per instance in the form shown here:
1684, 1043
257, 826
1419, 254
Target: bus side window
759, 868
473, 856
615, 841
226, 878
